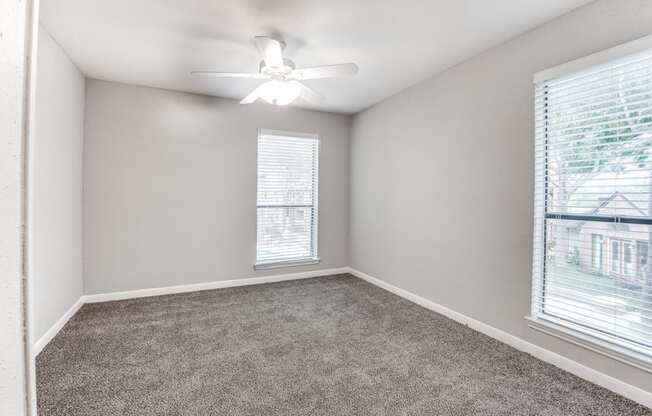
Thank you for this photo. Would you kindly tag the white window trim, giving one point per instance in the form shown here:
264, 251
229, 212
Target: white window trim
287, 263
286, 133
587, 338
605, 57
590, 340
315, 231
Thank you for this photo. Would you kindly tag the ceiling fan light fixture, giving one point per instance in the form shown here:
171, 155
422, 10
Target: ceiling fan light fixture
280, 92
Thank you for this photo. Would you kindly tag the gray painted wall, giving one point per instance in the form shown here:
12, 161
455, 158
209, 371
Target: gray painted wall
56, 185
170, 186
442, 177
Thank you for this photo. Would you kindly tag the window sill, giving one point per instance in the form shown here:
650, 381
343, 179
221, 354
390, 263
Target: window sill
287, 263
638, 357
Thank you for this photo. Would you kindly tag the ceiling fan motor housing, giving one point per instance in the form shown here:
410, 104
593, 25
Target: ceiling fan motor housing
284, 71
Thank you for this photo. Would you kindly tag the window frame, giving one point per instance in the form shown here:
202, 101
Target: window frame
314, 228
610, 345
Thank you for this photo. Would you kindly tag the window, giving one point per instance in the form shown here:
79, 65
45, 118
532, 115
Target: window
288, 172
593, 203
628, 265
596, 252
615, 256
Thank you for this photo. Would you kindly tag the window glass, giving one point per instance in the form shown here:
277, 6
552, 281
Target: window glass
594, 178
286, 197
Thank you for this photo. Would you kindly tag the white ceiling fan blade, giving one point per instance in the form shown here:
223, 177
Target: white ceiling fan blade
308, 93
326, 71
271, 50
228, 74
253, 95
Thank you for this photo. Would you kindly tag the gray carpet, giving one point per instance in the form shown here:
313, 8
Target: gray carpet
325, 346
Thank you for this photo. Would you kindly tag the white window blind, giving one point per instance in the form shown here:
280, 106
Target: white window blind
593, 205
287, 194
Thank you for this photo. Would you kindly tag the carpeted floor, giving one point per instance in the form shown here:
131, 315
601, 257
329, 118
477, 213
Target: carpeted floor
324, 346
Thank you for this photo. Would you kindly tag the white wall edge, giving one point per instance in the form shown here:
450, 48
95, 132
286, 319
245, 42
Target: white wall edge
627, 390
54, 329
219, 284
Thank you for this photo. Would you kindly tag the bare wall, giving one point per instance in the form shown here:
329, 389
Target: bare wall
442, 177
56, 185
170, 186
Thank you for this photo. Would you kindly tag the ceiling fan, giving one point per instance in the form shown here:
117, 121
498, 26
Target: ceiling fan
283, 78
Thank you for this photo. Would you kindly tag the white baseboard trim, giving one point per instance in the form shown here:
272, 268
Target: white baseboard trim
142, 293
54, 329
627, 390
132, 294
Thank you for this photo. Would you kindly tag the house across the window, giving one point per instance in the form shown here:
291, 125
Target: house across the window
619, 252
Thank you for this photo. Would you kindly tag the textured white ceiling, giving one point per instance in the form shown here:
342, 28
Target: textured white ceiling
396, 43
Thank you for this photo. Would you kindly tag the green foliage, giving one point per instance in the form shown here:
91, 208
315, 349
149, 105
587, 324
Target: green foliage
588, 138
